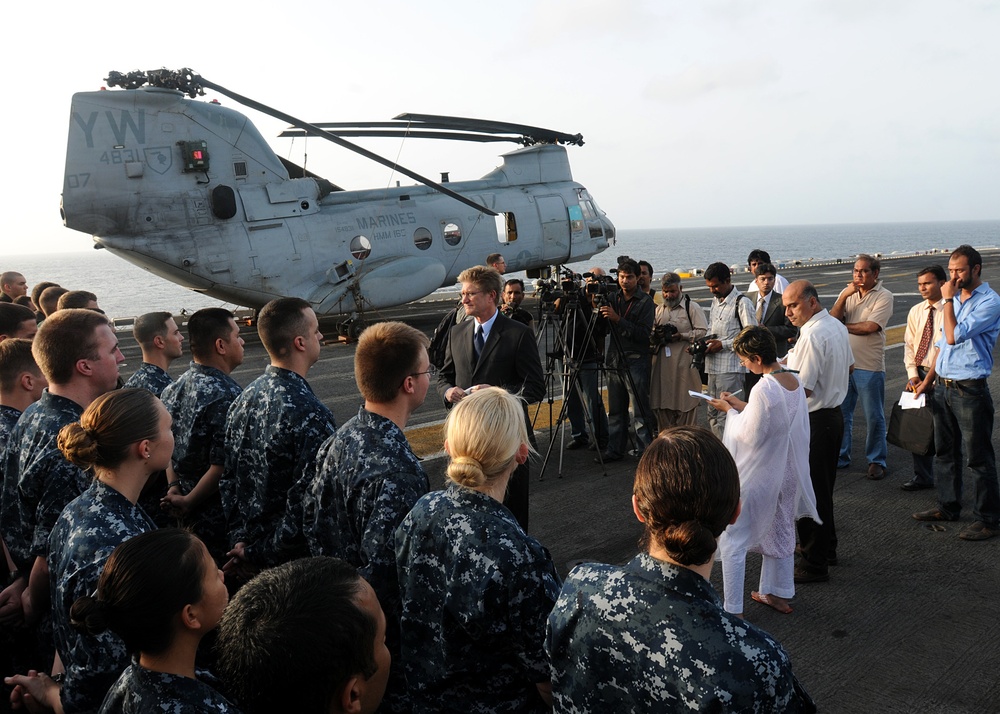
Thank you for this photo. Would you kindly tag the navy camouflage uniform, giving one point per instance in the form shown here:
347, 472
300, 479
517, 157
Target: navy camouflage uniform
8, 418
476, 591
150, 377
198, 402
142, 691
653, 637
367, 480
88, 530
154, 379
273, 433
38, 480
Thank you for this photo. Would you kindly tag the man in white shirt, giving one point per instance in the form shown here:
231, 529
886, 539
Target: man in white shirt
822, 357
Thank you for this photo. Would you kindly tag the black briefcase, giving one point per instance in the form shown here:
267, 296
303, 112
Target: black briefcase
912, 429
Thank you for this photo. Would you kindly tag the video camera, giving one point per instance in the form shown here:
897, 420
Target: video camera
549, 290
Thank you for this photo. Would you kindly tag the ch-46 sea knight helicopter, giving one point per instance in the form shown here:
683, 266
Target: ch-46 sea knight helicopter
189, 190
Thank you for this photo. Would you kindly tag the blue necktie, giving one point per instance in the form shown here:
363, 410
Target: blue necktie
477, 344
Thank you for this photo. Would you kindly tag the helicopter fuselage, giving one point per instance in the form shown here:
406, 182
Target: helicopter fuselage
190, 191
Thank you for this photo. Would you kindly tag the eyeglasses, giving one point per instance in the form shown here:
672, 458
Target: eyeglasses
431, 371
470, 294
862, 271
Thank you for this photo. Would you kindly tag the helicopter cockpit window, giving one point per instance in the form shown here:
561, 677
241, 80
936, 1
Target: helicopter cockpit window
361, 247
452, 233
506, 227
422, 238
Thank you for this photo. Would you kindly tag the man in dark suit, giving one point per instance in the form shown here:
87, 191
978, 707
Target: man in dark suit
770, 313
492, 350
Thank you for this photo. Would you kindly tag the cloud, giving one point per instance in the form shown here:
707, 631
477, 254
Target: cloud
589, 19
701, 79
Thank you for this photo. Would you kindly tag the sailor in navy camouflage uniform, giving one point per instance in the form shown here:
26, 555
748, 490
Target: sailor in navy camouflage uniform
140, 690
21, 384
88, 530
38, 481
151, 378
368, 477
160, 340
198, 402
124, 436
476, 589
273, 433
652, 636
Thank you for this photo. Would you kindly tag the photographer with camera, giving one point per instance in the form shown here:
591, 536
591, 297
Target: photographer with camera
513, 296
730, 313
630, 314
676, 325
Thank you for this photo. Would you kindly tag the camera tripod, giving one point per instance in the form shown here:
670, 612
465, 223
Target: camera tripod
566, 359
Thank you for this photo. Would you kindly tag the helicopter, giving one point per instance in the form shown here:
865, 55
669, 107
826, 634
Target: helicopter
190, 190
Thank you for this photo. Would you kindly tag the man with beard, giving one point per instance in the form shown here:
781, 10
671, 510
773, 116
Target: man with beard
963, 407
672, 376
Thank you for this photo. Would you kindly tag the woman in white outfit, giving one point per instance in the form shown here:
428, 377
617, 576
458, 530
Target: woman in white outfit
769, 440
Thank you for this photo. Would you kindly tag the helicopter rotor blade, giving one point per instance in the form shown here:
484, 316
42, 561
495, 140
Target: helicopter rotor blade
405, 133
316, 131
487, 126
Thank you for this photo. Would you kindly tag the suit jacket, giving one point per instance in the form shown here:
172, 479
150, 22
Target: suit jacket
509, 360
775, 320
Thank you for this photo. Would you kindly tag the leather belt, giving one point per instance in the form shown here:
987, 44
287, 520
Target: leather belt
960, 383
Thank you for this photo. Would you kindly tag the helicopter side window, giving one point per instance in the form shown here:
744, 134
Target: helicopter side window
422, 239
506, 227
361, 247
452, 233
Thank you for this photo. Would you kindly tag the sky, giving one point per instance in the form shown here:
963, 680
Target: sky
709, 113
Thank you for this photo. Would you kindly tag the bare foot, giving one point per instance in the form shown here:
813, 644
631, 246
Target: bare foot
773, 601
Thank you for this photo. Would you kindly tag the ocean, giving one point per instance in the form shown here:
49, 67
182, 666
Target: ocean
124, 290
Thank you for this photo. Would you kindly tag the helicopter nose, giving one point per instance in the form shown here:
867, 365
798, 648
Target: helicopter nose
609, 230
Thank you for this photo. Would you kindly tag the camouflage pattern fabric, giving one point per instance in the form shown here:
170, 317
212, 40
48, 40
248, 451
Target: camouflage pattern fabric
653, 637
38, 480
273, 433
198, 402
151, 378
367, 480
476, 592
142, 691
88, 530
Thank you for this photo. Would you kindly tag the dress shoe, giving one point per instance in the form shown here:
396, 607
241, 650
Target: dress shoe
578, 444
607, 457
914, 484
807, 576
978, 531
830, 559
875, 472
935, 514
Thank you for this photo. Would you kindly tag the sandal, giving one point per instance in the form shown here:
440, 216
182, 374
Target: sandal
765, 599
